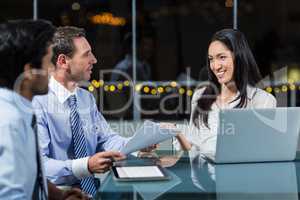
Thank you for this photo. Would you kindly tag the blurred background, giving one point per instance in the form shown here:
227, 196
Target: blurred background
165, 43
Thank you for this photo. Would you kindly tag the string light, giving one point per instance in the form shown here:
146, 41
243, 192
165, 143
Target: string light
126, 83
269, 89
138, 87
106, 88
189, 92
153, 92
91, 88
120, 86
284, 88
181, 91
149, 89
168, 89
101, 83
276, 90
112, 88
292, 87
95, 83
173, 84
146, 89
160, 89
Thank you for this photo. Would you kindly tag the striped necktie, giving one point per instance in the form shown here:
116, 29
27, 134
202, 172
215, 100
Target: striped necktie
79, 144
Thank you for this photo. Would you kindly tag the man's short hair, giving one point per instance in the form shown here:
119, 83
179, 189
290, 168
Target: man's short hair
63, 41
22, 42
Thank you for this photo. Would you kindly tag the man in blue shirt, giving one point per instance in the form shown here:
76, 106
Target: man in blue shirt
25, 59
60, 125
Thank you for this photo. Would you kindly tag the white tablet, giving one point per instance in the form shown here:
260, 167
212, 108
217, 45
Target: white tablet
139, 173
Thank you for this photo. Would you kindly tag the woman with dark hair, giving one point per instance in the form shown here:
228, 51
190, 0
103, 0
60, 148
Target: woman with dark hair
233, 76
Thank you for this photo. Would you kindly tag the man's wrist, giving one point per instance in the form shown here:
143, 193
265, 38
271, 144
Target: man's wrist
80, 168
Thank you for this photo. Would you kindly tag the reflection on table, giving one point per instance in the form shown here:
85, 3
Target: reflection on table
193, 177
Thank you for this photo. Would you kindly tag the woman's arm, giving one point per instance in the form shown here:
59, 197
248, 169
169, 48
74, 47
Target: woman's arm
185, 144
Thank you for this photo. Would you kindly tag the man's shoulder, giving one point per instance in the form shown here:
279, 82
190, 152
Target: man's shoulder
42, 97
14, 107
9, 113
85, 96
84, 93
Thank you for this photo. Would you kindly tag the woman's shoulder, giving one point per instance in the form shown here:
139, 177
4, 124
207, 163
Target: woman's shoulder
263, 98
263, 94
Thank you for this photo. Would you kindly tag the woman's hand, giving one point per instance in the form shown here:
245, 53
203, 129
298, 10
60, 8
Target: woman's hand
150, 149
169, 126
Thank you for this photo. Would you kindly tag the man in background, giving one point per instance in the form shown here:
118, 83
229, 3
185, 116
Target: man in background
145, 50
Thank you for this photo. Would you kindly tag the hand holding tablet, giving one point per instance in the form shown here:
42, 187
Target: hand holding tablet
102, 161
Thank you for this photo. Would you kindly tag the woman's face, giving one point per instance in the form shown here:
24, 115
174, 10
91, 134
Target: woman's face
221, 62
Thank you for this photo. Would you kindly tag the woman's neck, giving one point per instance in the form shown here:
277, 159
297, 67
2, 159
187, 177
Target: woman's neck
227, 94
228, 89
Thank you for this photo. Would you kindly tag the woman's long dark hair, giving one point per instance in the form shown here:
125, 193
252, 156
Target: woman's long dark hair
245, 73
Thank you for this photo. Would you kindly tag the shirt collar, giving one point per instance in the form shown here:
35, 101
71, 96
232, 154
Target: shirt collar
20, 102
250, 93
60, 91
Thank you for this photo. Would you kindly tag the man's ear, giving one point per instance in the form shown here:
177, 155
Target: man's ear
28, 71
62, 61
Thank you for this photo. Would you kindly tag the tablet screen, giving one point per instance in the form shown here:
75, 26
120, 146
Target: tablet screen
139, 172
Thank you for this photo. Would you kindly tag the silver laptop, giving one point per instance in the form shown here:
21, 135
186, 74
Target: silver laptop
257, 135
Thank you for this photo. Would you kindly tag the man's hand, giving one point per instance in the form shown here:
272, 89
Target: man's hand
101, 162
57, 194
75, 194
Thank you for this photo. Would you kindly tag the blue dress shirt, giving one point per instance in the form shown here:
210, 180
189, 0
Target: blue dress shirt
53, 118
18, 164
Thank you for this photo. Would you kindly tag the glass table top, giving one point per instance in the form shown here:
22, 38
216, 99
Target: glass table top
193, 177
